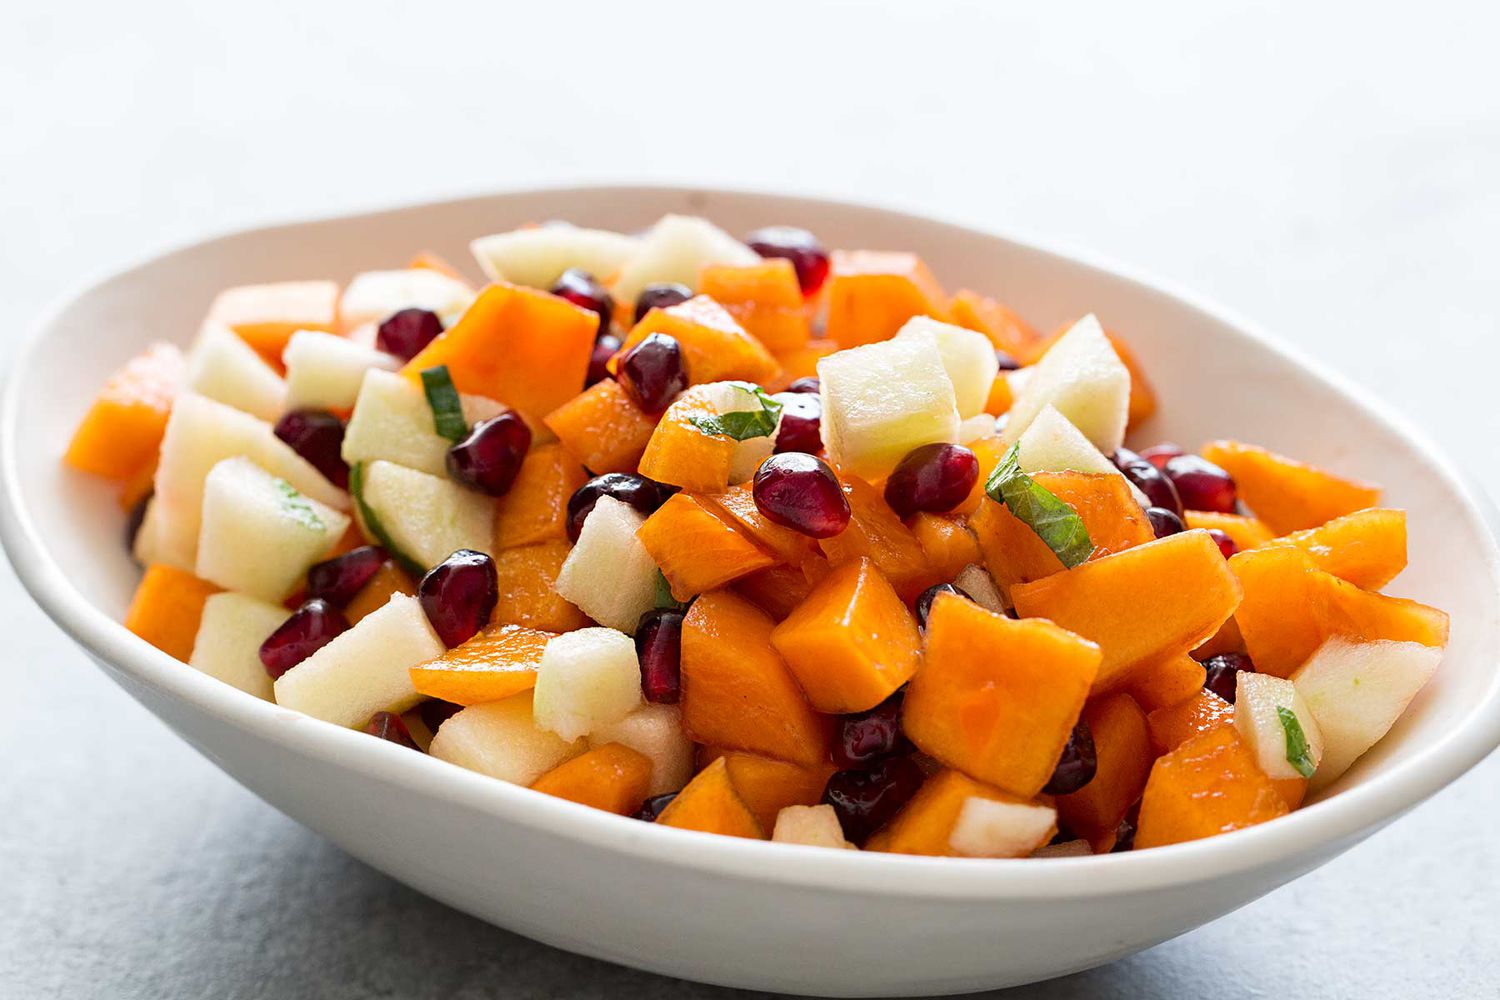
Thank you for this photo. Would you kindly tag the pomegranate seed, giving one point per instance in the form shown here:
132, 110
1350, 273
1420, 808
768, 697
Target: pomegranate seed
135, 520
388, 726
1158, 454
584, 291
800, 491
925, 599
459, 595
309, 629
1223, 673
406, 332
808, 383
654, 372
1148, 479
862, 739
664, 295
1164, 522
652, 807
490, 455
934, 477
658, 647
1078, 763
337, 580
318, 436
1007, 362
436, 711
606, 346
801, 422
1226, 545
1201, 484
641, 493
866, 800
808, 257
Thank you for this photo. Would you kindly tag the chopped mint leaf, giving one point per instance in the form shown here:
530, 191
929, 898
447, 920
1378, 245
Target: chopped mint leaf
1297, 753
664, 599
447, 409
1054, 522
297, 506
742, 425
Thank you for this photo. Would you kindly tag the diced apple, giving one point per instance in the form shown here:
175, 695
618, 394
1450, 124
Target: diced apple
587, 678
537, 256
500, 739
882, 400
259, 535
393, 421
324, 371
609, 575
968, 357
987, 828
734, 397
223, 367
677, 249
1085, 380
655, 731
976, 581
364, 670
1053, 444
975, 427
1258, 699
147, 548
374, 295
423, 518
810, 826
1356, 691
229, 637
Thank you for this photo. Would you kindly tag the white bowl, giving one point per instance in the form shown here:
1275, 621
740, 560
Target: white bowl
718, 909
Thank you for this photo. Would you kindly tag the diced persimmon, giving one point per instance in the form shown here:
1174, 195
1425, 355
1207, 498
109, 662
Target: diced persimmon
1286, 494
523, 347
997, 698
763, 298
767, 785
1291, 790
1141, 605
1169, 682
852, 642
167, 609
697, 550
1001, 397
947, 542
1174, 725
389, 579
351, 539
1006, 330
611, 777
803, 362
528, 588
1291, 607
990, 452
925, 824
681, 454
1122, 744
1246, 532
1367, 548
738, 505
603, 428
876, 533
535, 508
710, 804
1207, 786
139, 485
500, 661
736, 691
429, 260
1014, 554
266, 316
121, 434
872, 293
715, 347
776, 590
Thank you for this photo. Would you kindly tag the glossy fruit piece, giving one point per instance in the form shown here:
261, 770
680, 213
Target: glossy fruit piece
737, 505
122, 430
989, 452
1366, 548
867, 799
863, 738
1122, 744
535, 508
523, 347
1221, 673
736, 691
339, 579
801, 422
1207, 786
801, 492
1077, 765
1284, 493
1001, 396
922, 606
584, 290
933, 478
803, 362
930, 823
1168, 682
710, 804
764, 299
611, 777
715, 347
1201, 484
388, 580
1006, 330
1226, 640
767, 785
266, 316
876, 533
947, 543
500, 661
798, 247
660, 295
406, 332
696, 549
528, 588
658, 647
681, 454
1291, 607
776, 590
489, 457
1141, 605
1247, 532
997, 698
653, 371
1176, 724
1147, 478
167, 609
852, 643
603, 428
311, 627
459, 594
1227, 546
1164, 522
389, 727
317, 436
639, 492
967, 357
872, 293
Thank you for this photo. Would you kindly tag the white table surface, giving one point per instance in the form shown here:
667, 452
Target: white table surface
1330, 172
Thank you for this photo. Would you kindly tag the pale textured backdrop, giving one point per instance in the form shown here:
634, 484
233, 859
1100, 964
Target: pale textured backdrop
1328, 170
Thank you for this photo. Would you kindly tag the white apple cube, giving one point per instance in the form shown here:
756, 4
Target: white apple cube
882, 400
587, 678
259, 535
810, 826
976, 581
1085, 380
324, 371
374, 295
986, 828
968, 357
393, 421
1053, 444
677, 249
538, 255
609, 575
500, 739
973, 428
223, 367
1259, 700
148, 548
364, 670
229, 638
1356, 691
424, 518
656, 732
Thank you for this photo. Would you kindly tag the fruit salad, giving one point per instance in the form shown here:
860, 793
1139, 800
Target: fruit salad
751, 537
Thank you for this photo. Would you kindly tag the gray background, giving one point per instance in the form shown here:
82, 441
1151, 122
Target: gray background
1330, 172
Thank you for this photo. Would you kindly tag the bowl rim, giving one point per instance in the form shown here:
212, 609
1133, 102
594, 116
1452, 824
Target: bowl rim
1335, 822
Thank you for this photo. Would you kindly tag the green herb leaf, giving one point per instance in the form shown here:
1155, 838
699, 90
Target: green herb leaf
742, 425
1297, 753
447, 408
664, 599
297, 506
1054, 522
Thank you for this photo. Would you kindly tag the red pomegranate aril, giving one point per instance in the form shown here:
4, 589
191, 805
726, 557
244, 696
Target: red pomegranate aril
406, 332
800, 491
658, 647
606, 346
645, 495
311, 627
337, 580
654, 806
435, 711
1148, 479
388, 726
653, 372
923, 605
1008, 363
1078, 764
866, 800
584, 291
1201, 484
459, 595
1164, 522
1226, 545
801, 422
808, 256
663, 295
490, 455
1159, 454
934, 477
863, 739
318, 436
1222, 673
807, 383
1124, 837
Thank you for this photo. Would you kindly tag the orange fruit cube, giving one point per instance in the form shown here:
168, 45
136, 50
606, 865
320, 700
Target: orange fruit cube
1173, 680
602, 428
925, 824
737, 504
528, 588
767, 785
872, 293
611, 777
1174, 725
763, 298
167, 609
710, 804
1286, 494
803, 362
696, 550
500, 661
1122, 743
681, 454
389, 579
535, 508
1247, 532
121, 434
1207, 786
1006, 330
947, 543
776, 590
877, 534
715, 347
1367, 548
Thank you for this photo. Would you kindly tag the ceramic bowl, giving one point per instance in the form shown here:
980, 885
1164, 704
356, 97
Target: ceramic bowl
717, 909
